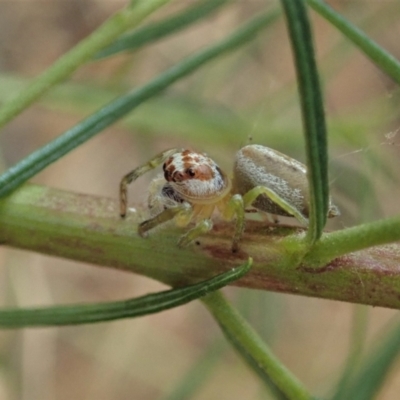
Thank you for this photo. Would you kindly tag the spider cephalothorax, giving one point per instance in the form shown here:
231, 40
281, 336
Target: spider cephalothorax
194, 186
196, 177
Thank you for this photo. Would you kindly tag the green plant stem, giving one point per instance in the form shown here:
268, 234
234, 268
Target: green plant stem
312, 114
253, 349
131, 308
121, 21
384, 60
348, 240
89, 229
115, 110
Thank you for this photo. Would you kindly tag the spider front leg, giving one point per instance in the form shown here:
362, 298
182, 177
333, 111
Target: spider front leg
182, 215
136, 173
200, 228
253, 193
236, 207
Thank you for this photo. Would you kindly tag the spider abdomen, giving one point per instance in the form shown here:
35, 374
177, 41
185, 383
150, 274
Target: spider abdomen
257, 165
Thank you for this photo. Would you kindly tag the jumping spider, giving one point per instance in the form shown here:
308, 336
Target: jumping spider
194, 186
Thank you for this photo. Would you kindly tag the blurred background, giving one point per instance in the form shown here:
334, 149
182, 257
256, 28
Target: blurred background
248, 95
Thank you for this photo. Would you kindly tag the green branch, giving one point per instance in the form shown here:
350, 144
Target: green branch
89, 229
353, 239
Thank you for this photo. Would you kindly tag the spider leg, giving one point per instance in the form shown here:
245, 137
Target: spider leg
272, 218
136, 173
201, 227
235, 207
253, 193
182, 214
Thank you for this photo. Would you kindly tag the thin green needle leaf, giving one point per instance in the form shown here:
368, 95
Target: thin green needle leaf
118, 108
90, 313
375, 369
312, 113
251, 347
152, 32
384, 60
119, 23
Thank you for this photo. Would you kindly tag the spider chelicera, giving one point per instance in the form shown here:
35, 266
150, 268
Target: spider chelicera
194, 186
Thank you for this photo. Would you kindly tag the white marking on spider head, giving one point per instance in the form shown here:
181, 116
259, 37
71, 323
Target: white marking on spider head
195, 177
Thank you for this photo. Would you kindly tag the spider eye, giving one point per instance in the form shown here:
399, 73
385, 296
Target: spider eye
190, 172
